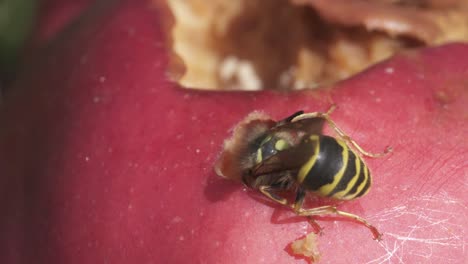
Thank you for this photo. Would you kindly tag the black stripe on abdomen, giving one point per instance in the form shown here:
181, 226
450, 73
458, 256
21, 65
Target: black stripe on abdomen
349, 174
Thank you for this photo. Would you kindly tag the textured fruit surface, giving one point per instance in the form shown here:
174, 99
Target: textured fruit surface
103, 159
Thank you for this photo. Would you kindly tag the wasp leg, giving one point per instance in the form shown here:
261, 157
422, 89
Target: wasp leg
347, 138
268, 192
297, 116
328, 209
340, 132
300, 195
289, 118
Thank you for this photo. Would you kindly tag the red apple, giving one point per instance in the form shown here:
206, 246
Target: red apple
54, 16
103, 159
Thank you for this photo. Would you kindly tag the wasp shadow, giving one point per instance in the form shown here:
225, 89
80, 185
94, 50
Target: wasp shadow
219, 189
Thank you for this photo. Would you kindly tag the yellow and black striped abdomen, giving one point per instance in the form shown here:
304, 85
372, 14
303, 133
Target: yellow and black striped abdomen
334, 170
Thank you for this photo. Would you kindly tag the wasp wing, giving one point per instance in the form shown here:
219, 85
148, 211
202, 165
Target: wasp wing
286, 160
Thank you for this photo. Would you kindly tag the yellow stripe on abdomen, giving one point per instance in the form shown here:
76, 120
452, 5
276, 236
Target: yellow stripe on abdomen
310, 163
362, 185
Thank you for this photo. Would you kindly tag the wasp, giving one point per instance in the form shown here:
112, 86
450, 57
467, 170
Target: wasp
294, 155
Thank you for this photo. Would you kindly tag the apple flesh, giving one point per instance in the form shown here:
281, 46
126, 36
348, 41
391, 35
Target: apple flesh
105, 160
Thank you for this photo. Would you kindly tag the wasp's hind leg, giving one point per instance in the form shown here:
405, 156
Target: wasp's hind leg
340, 132
348, 139
328, 209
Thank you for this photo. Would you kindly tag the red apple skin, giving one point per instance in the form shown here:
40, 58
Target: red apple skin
104, 160
54, 16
